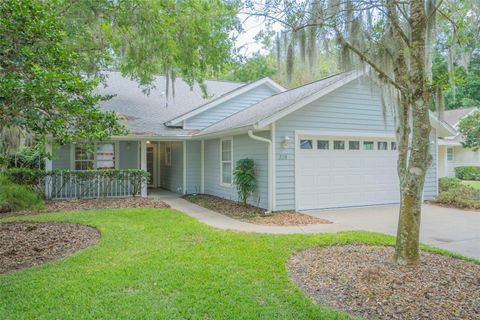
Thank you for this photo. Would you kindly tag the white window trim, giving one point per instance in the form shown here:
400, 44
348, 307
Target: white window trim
169, 162
453, 154
95, 145
221, 161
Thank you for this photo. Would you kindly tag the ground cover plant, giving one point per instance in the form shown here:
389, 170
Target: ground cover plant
162, 264
14, 197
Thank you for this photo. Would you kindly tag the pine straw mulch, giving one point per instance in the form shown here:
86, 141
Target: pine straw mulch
91, 204
252, 214
25, 244
362, 281
287, 218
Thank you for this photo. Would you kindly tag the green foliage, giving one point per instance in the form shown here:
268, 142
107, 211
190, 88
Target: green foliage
465, 91
462, 197
36, 179
468, 172
470, 128
43, 90
447, 183
26, 157
244, 179
143, 38
14, 197
250, 69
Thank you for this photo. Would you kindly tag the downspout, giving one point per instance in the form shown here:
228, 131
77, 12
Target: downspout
270, 168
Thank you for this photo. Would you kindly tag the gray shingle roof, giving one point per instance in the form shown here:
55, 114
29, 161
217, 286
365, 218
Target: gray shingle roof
452, 117
145, 114
272, 105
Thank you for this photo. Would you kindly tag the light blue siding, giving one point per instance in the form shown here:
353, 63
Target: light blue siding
355, 107
128, 154
193, 167
61, 157
243, 147
171, 177
228, 108
430, 189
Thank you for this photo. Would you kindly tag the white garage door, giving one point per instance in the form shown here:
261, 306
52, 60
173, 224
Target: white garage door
345, 172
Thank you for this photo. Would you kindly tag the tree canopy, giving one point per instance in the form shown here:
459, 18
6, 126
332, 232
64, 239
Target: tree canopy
470, 128
43, 92
52, 54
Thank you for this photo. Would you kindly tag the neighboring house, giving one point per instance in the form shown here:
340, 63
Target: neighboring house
451, 154
322, 145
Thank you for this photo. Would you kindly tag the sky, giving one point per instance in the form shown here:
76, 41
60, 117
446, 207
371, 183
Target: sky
252, 26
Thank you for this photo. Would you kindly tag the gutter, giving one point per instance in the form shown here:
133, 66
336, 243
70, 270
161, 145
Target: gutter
270, 168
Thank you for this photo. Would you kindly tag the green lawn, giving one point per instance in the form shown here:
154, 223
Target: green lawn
475, 184
161, 264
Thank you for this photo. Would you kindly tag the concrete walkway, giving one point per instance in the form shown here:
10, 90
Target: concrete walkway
451, 229
221, 221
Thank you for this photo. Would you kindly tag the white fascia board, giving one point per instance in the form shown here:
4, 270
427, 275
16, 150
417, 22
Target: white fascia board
443, 128
151, 138
331, 133
228, 96
228, 132
444, 142
305, 101
474, 110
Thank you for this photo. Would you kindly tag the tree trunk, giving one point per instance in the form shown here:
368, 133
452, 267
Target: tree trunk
412, 179
414, 148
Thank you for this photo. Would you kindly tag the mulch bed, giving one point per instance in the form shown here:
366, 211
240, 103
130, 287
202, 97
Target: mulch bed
25, 244
288, 218
439, 204
362, 281
91, 204
251, 213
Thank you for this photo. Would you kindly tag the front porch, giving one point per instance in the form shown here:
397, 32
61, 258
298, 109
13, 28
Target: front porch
173, 165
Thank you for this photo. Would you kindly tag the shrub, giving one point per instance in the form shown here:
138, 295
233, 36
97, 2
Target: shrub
244, 179
468, 172
446, 183
14, 197
462, 197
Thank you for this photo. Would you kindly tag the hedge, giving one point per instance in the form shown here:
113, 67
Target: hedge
468, 172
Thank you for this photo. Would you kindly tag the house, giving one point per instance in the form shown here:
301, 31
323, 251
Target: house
451, 153
322, 145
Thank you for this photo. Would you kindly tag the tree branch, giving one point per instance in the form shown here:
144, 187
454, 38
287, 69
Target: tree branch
374, 66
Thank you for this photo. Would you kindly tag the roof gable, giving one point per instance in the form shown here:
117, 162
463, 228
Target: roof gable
266, 112
453, 117
144, 114
177, 121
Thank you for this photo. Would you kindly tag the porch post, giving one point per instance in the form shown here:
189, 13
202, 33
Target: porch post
202, 167
48, 167
143, 164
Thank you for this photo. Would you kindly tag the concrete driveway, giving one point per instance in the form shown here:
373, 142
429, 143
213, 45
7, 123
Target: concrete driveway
451, 229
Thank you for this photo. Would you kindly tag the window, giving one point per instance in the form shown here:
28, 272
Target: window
393, 145
306, 144
84, 158
323, 144
226, 159
353, 145
105, 156
338, 144
168, 154
450, 154
367, 145
382, 145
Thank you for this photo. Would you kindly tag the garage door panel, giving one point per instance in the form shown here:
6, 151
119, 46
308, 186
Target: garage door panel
342, 178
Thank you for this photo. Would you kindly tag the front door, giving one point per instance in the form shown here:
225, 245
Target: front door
152, 164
